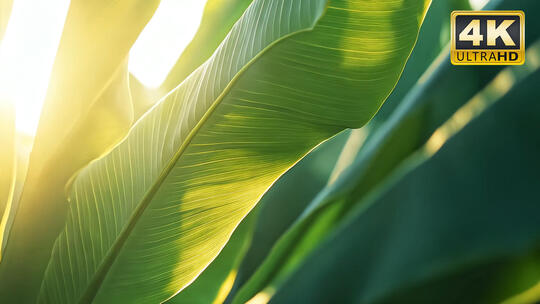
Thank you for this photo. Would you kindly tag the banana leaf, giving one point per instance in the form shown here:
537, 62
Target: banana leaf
147, 218
286, 200
434, 37
214, 283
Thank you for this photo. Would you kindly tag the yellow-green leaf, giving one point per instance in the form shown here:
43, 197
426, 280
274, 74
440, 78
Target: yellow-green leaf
146, 219
86, 112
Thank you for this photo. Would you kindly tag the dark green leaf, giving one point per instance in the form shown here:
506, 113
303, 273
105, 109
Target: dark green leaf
464, 226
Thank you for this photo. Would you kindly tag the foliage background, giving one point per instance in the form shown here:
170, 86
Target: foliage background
435, 199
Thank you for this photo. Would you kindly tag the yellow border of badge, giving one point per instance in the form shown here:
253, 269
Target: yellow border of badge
453, 53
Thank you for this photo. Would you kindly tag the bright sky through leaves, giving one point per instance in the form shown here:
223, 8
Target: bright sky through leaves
26, 56
164, 38
31, 40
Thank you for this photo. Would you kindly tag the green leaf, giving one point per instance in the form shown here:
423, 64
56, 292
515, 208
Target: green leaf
87, 111
146, 219
215, 281
434, 37
463, 226
23, 146
7, 135
422, 111
96, 40
282, 204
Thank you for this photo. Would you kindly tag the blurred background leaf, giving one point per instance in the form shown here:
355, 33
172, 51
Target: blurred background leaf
461, 226
86, 112
218, 19
80, 94
23, 146
372, 179
7, 134
7, 162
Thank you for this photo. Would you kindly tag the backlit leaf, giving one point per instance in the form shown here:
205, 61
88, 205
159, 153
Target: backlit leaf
87, 111
146, 219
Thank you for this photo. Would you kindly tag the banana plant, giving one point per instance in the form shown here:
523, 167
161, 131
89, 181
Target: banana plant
239, 179
146, 214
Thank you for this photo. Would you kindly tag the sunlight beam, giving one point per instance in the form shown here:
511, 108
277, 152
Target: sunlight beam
162, 41
27, 55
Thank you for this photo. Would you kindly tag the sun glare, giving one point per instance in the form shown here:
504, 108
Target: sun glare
26, 57
31, 40
164, 38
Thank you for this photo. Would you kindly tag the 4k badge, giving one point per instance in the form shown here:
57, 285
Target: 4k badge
488, 37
